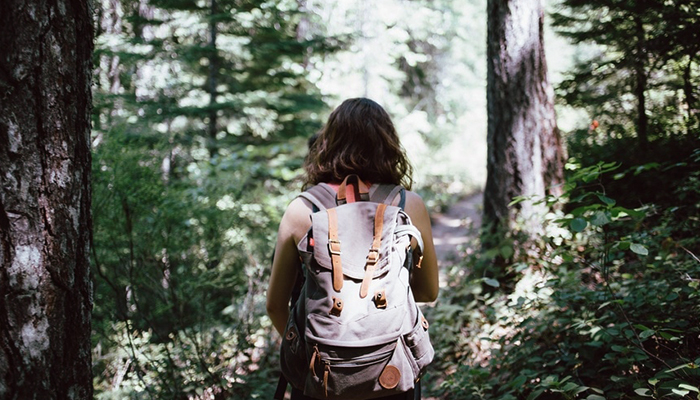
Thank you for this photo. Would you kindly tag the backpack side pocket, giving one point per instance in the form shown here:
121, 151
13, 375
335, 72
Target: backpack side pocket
293, 360
418, 348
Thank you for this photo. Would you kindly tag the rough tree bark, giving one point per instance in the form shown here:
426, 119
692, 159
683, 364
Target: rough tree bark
525, 155
45, 220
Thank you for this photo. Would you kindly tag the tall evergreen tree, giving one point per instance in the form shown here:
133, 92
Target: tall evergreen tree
45, 219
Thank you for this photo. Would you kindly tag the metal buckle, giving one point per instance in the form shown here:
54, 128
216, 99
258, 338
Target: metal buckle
373, 256
334, 247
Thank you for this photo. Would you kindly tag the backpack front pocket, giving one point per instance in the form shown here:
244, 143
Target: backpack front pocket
354, 373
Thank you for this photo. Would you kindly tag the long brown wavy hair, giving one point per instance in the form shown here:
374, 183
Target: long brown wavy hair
359, 138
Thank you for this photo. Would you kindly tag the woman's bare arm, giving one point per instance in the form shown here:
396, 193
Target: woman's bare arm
286, 264
424, 281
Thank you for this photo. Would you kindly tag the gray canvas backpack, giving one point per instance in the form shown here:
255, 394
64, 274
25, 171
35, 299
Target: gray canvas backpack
355, 331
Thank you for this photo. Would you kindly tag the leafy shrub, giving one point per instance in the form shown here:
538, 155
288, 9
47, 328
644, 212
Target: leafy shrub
607, 307
180, 269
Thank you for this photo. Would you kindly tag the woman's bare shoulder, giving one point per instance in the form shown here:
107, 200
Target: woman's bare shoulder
296, 220
415, 205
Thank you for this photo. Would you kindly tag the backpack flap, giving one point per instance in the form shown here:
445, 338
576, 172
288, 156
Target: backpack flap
355, 236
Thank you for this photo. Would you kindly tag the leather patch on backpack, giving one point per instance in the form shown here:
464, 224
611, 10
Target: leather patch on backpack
337, 307
390, 377
380, 298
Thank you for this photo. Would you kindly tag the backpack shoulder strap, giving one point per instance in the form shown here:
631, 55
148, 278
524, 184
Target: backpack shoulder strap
321, 196
386, 193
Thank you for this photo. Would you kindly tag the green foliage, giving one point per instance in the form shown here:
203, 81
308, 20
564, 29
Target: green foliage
606, 308
180, 269
201, 115
633, 52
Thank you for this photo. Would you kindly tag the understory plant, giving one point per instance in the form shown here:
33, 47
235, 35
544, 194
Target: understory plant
607, 307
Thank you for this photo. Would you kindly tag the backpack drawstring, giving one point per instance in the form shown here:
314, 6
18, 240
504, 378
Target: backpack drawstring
312, 366
326, 372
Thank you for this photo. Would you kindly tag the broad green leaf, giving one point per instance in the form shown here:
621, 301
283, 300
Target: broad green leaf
645, 167
607, 200
680, 392
492, 253
507, 251
535, 394
581, 389
491, 282
520, 267
595, 397
689, 387
609, 166
579, 211
600, 218
646, 334
518, 382
639, 249
622, 212
668, 336
578, 224
643, 392
620, 349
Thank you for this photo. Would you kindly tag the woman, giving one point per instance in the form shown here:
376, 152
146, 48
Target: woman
359, 138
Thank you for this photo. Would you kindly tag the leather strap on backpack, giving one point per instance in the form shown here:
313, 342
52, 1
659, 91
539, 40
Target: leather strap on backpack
373, 255
323, 196
361, 190
334, 248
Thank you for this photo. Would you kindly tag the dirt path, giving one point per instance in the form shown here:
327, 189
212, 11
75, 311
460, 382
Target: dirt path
452, 230
456, 227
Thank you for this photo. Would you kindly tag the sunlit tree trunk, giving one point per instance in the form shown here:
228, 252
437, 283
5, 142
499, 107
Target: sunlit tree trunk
640, 85
691, 100
212, 79
525, 154
45, 220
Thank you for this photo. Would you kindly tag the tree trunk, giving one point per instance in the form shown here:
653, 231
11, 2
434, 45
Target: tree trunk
45, 220
640, 85
213, 74
691, 101
525, 156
